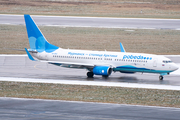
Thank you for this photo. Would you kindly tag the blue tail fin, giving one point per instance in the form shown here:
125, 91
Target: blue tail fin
37, 41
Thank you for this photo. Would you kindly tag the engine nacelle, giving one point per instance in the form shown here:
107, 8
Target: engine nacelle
102, 70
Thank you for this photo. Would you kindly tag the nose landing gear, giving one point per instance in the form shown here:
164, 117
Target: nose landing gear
160, 77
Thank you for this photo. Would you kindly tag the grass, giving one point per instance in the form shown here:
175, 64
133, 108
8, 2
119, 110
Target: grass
148, 41
102, 8
117, 95
137, 40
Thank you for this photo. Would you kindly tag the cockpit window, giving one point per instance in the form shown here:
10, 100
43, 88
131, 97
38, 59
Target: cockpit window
166, 61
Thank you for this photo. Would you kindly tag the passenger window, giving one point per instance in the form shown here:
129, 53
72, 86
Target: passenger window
165, 61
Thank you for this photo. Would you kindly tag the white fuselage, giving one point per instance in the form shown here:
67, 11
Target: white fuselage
119, 61
97, 62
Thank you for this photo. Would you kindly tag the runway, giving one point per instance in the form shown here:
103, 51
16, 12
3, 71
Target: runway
17, 108
19, 66
65, 21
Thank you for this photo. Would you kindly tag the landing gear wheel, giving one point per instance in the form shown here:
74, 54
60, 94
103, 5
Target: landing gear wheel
160, 77
90, 74
105, 76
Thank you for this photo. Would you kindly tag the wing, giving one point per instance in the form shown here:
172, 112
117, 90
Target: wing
71, 65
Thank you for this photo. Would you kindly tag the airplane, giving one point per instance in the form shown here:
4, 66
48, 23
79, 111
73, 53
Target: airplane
96, 62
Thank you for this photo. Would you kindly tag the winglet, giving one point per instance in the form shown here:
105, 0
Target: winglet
122, 48
29, 55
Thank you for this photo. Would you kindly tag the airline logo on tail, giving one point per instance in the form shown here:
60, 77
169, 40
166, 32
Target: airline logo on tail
37, 41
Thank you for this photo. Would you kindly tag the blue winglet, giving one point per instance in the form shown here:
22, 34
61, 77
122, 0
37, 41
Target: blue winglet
29, 55
122, 48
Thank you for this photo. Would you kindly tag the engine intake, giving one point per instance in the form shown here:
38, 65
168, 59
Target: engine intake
102, 70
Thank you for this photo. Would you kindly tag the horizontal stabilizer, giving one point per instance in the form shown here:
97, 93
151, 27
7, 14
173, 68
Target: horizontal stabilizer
29, 55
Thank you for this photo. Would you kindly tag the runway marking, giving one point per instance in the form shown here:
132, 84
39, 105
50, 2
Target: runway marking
39, 68
93, 83
95, 18
69, 26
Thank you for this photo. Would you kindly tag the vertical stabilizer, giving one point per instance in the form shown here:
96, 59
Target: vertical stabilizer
37, 41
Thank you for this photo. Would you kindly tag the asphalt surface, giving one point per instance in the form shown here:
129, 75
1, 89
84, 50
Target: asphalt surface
132, 23
22, 67
13, 109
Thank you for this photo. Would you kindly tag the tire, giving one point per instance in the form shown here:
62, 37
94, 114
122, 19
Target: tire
90, 74
160, 77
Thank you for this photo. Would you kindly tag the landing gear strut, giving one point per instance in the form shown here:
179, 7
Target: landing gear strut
160, 77
90, 74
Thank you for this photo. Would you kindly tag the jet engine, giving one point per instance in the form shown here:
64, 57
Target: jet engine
102, 70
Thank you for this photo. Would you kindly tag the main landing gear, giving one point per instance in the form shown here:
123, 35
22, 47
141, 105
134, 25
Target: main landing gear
90, 74
160, 77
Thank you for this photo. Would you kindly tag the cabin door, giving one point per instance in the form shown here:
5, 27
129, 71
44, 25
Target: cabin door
155, 62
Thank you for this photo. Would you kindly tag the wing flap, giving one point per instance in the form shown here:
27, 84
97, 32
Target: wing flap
70, 64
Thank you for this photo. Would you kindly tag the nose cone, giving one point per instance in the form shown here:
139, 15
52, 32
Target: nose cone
174, 67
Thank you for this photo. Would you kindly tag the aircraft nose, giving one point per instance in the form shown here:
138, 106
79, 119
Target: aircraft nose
174, 67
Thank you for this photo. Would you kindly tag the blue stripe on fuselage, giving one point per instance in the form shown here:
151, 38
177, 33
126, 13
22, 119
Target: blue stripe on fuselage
130, 68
